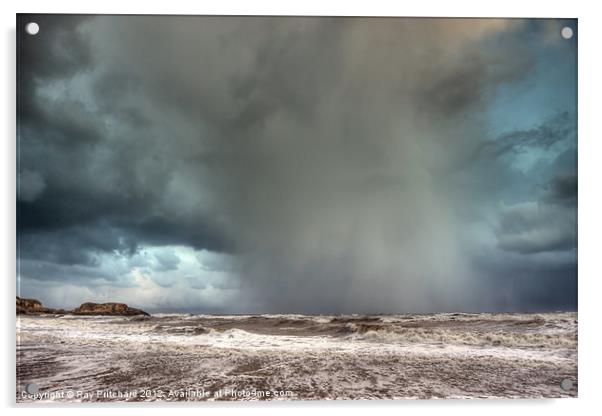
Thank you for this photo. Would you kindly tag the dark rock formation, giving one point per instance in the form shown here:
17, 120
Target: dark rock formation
34, 306
122, 309
28, 305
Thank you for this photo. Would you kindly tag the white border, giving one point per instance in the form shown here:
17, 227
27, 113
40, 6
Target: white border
590, 176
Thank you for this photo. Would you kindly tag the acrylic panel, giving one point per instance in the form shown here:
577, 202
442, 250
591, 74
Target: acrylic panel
295, 208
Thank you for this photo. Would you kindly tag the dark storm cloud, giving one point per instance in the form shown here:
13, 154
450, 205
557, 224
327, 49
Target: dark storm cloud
55, 272
559, 128
548, 222
464, 85
329, 156
562, 189
59, 53
535, 227
81, 180
69, 246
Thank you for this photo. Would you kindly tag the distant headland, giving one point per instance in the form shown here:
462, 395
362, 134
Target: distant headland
34, 306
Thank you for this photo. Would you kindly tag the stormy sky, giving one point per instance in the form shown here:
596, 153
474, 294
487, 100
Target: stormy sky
297, 165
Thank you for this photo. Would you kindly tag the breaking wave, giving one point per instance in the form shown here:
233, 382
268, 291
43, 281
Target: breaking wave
312, 355
481, 338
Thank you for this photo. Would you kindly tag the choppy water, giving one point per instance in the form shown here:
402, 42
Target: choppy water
298, 357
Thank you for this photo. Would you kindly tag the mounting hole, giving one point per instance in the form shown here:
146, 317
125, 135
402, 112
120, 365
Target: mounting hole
566, 384
32, 28
566, 32
32, 388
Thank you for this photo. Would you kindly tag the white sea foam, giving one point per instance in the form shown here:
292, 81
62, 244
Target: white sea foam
298, 348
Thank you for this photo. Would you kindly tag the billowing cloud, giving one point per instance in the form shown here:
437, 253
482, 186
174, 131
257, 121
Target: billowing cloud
314, 164
31, 185
531, 227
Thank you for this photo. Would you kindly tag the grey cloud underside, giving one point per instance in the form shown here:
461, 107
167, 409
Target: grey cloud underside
534, 227
339, 161
549, 222
561, 127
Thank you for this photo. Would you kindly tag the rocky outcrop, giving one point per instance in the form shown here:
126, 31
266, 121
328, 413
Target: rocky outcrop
121, 309
34, 306
29, 305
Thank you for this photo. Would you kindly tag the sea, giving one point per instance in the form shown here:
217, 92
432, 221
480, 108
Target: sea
189, 357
